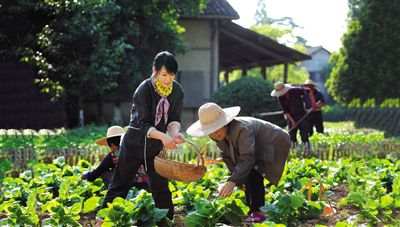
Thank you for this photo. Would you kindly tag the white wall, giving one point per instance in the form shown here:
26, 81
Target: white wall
202, 36
318, 62
198, 58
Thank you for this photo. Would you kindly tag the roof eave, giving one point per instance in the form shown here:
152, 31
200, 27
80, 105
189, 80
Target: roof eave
219, 17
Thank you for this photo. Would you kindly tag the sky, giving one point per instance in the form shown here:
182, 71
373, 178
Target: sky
322, 22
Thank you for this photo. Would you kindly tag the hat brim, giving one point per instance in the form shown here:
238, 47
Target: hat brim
285, 89
103, 141
196, 130
310, 84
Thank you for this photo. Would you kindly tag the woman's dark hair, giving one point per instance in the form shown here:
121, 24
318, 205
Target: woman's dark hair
113, 140
166, 59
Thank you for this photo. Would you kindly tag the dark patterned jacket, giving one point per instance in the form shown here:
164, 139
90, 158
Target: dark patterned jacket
145, 100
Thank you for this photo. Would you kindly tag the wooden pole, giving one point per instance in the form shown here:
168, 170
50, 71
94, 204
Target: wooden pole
226, 77
244, 71
285, 73
264, 72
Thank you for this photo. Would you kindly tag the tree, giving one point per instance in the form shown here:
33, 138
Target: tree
282, 31
20, 21
75, 57
91, 48
367, 64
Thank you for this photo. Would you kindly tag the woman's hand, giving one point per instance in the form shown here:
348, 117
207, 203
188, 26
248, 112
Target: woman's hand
163, 152
227, 189
168, 142
319, 104
178, 138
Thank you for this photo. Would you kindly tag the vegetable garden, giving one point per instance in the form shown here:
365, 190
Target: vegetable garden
361, 174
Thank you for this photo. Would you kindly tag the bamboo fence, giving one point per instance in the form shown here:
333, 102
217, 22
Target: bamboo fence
94, 154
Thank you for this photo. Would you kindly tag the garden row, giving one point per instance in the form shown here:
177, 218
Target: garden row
54, 194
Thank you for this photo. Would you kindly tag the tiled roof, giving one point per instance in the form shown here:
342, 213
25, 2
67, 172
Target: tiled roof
219, 9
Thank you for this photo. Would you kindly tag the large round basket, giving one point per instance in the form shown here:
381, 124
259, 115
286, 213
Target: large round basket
179, 171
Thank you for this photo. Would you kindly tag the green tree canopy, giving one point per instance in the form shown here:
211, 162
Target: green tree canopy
367, 64
20, 21
88, 48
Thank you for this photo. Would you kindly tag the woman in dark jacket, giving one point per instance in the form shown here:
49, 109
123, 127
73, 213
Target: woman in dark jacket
252, 149
156, 110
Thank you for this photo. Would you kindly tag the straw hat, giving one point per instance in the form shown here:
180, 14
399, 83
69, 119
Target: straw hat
211, 118
112, 131
310, 82
280, 89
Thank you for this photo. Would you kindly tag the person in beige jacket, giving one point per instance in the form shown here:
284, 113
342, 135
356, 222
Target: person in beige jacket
252, 149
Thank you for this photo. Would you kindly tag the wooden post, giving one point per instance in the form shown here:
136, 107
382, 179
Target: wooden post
285, 73
264, 72
244, 71
226, 77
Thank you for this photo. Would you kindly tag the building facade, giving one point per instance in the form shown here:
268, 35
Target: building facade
317, 65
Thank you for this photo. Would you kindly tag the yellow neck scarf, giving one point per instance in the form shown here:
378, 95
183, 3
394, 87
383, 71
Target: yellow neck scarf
164, 91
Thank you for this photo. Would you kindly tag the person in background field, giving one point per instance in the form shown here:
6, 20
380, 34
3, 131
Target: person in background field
107, 165
252, 149
156, 110
315, 117
292, 102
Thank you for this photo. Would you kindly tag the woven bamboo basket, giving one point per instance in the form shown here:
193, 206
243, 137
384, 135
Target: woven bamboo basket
328, 208
180, 171
208, 160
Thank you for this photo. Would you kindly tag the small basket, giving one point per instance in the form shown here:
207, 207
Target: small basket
210, 161
179, 171
207, 160
328, 209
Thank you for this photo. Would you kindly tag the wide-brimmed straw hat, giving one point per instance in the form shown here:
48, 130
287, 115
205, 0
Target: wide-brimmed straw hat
112, 131
310, 82
280, 89
211, 118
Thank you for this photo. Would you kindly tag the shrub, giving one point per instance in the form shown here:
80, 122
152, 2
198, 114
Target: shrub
252, 94
335, 113
355, 103
389, 103
369, 103
382, 118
